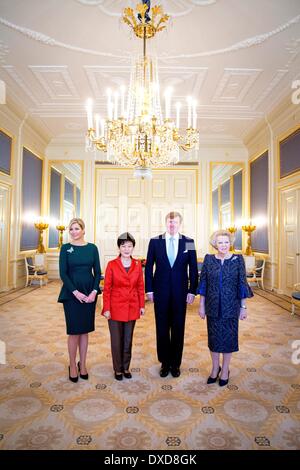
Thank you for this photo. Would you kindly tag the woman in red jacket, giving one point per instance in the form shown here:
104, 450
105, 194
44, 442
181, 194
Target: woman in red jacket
123, 303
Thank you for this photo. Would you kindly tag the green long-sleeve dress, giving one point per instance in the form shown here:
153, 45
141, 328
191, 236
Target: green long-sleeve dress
79, 268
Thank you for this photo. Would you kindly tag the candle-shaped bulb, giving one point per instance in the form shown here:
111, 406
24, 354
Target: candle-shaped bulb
122, 90
194, 114
97, 119
109, 104
102, 127
189, 102
116, 101
178, 107
89, 111
168, 94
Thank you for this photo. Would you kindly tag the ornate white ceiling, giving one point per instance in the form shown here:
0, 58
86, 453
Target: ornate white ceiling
238, 58
173, 7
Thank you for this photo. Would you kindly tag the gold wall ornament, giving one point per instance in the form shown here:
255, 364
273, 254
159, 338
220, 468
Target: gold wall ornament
61, 228
232, 230
41, 225
136, 132
249, 229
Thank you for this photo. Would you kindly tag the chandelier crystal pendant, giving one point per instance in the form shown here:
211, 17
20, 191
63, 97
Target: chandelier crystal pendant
137, 133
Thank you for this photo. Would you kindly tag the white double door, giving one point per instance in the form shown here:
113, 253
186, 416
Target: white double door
124, 203
290, 239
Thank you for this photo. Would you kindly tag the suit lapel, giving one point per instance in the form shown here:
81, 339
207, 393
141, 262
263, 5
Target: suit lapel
181, 245
162, 239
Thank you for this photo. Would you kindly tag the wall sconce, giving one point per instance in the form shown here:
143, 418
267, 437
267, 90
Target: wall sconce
232, 230
41, 225
61, 228
249, 229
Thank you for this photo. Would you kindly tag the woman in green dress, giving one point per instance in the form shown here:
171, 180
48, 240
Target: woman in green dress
80, 272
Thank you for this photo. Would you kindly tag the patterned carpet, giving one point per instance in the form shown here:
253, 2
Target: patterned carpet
41, 409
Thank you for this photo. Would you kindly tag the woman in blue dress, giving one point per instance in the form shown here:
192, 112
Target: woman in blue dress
80, 272
223, 288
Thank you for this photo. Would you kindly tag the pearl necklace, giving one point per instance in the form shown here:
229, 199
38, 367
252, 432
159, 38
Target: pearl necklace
126, 264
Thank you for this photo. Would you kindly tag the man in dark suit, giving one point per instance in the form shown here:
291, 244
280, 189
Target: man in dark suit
172, 286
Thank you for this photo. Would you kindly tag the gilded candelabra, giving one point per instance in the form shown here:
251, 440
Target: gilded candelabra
61, 228
41, 226
232, 230
249, 229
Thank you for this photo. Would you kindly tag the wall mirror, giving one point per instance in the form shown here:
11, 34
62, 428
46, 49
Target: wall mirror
227, 198
65, 193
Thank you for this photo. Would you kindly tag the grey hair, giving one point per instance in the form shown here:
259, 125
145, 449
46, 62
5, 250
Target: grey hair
221, 233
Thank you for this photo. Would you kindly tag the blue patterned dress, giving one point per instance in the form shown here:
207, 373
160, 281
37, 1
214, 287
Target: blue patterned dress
223, 285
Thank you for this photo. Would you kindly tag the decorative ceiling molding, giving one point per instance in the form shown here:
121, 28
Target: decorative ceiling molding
10, 69
55, 80
4, 50
173, 8
235, 84
249, 42
221, 113
246, 43
273, 83
101, 76
47, 40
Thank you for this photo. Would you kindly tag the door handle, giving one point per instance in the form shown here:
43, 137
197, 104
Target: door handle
297, 254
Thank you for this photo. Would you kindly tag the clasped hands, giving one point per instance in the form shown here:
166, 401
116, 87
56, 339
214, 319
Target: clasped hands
88, 299
202, 314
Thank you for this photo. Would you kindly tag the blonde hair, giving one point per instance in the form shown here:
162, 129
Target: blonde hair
221, 233
78, 221
172, 215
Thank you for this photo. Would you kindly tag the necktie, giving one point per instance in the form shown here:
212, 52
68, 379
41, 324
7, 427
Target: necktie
171, 254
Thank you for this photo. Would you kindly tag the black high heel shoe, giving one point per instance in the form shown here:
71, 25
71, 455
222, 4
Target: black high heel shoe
212, 380
222, 382
73, 379
127, 375
118, 376
82, 376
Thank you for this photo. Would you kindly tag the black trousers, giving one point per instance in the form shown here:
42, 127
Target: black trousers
121, 334
170, 324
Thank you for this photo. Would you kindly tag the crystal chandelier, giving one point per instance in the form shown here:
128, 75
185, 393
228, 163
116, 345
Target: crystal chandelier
136, 133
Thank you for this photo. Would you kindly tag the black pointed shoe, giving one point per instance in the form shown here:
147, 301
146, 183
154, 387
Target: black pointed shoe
73, 379
164, 370
118, 376
127, 375
82, 376
212, 380
222, 382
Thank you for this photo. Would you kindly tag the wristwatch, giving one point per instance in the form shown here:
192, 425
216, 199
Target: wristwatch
243, 306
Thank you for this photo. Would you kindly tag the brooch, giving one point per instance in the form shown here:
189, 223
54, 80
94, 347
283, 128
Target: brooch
70, 250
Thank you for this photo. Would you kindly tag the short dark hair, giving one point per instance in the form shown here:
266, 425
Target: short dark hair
125, 237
